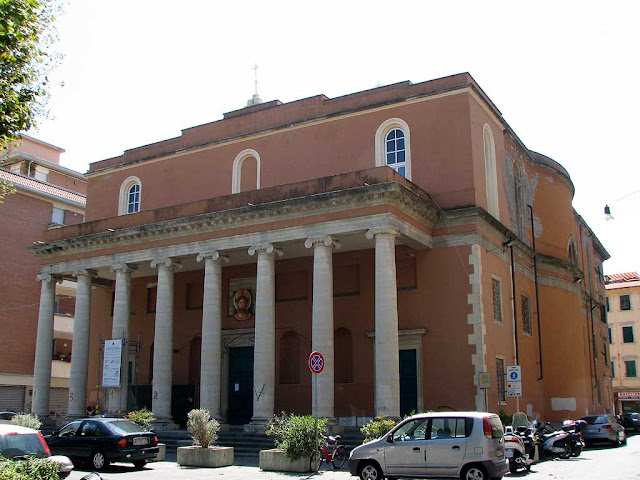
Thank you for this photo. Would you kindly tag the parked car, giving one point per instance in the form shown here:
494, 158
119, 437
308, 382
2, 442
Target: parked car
603, 428
466, 445
17, 442
630, 421
100, 441
5, 417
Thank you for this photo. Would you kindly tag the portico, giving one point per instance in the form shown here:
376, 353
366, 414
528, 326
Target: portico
262, 236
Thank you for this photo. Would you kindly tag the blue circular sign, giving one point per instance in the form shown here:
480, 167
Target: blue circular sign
514, 375
316, 362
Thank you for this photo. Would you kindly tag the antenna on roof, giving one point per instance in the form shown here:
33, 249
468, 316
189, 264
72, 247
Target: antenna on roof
255, 100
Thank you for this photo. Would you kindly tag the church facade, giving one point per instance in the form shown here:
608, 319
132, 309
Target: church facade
404, 232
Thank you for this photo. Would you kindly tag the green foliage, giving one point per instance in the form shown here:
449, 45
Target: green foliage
29, 469
296, 434
26, 30
28, 420
6, 188
203, 428
377, 428
505, 418
142, 417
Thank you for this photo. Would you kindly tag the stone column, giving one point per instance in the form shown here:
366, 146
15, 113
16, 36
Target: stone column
322, 321
163, 344
211, 356
80, 347
120, 330
44, 346
387, 373
264, 356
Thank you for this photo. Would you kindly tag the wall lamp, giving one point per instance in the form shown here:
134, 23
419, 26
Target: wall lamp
577, 279
508, 243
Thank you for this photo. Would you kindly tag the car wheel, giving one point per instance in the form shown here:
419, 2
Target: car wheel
370, 471
139, 464
99, 460
474, 472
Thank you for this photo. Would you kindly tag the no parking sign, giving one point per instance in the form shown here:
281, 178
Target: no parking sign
316, 362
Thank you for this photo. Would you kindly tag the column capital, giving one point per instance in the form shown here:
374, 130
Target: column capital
265, 247
85, 273
123, 267
214, 255
327, 240
382, 230
166, 262
48, 277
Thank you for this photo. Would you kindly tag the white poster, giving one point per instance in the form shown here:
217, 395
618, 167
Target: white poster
111, 363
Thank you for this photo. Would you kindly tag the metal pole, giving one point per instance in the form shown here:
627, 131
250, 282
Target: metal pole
535, 278
515, 304
315, 402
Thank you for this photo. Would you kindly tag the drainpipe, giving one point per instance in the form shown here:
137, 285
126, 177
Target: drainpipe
535, 276
509, 243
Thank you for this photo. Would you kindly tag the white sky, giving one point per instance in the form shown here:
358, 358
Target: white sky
561, 72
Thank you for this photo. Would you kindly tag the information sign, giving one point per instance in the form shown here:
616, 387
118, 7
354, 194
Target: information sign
111, 363
514, 373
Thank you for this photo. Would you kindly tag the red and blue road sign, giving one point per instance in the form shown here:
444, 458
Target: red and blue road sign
316, 362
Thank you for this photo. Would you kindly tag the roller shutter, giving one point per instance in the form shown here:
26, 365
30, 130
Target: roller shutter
11, 398
59, 401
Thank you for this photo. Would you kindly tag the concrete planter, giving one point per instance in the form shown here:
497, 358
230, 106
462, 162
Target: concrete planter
162, 452
211, 457
275, 460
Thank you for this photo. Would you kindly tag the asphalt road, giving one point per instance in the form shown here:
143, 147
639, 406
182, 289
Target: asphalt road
600, 463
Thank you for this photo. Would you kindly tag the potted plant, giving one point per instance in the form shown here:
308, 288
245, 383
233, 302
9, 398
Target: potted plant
204, 431
295, 438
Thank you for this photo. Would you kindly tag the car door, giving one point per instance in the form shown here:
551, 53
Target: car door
65, 442
89, 438
446, 445
405, 455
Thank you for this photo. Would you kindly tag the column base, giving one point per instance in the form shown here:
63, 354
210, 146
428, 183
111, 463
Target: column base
164, 424
257, 425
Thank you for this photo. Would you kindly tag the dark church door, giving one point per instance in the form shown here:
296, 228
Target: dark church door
240, 385
408, 382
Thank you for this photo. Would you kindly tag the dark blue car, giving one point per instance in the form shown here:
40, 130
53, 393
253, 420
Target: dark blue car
100, 441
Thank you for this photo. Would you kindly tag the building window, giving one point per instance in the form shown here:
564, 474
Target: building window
604, 351
573, 257
238, 184
130, 196
610, 336
625, 302
496, 285
501, 375
393, 146
491, 172
526, 314
608, 307
57, 216
613, 369
627, 334
630, 368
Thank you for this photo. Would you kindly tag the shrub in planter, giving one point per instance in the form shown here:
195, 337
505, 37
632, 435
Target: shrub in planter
28, 420
295, 434
203, 428
142, 417
28, 469
377, 428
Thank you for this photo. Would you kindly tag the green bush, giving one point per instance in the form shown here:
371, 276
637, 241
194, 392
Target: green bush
203, 428
295, 434
142, 417
505, 418
28, 420
29, 469
377, 428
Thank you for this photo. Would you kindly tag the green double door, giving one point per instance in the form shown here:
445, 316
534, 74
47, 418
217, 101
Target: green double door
240, 385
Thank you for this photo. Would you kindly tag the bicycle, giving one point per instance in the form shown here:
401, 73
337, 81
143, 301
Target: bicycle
331, 452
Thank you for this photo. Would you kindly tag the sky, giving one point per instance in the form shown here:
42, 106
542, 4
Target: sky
562, 73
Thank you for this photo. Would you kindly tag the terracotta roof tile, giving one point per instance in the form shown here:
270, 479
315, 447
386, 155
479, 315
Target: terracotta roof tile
622, 277
39, 186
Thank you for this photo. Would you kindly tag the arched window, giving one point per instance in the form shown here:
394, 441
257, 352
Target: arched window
130, 196
573, 254
290, 358
393, 146
246, 177
343, 348
490, 168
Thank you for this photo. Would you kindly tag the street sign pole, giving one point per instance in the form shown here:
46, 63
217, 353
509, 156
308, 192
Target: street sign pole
315, 401
316, 365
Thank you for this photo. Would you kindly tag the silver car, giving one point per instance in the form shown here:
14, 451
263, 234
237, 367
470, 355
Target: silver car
466, 445
605, 428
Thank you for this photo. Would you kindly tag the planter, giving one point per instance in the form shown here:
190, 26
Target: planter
162, 452
211, 457
275, 460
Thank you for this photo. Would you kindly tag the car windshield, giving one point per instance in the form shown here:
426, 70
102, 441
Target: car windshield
125, 426
15, 445
595, 419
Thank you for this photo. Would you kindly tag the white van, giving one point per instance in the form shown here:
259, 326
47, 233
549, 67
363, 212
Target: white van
466, 445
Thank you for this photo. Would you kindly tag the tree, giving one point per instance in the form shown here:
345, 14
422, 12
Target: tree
26, 32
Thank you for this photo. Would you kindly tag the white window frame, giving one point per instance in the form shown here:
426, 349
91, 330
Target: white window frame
236, 177
381, 143
491, 172
123, 205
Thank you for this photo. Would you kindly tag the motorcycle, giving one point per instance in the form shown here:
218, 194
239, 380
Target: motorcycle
520, 446
575, 429
553, 443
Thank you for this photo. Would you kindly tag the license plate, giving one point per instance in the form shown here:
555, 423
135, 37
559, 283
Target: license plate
509, 453
141, 441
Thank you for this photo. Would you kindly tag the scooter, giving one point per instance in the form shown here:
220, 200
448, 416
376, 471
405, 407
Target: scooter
520, 446
575, 429
553, 443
